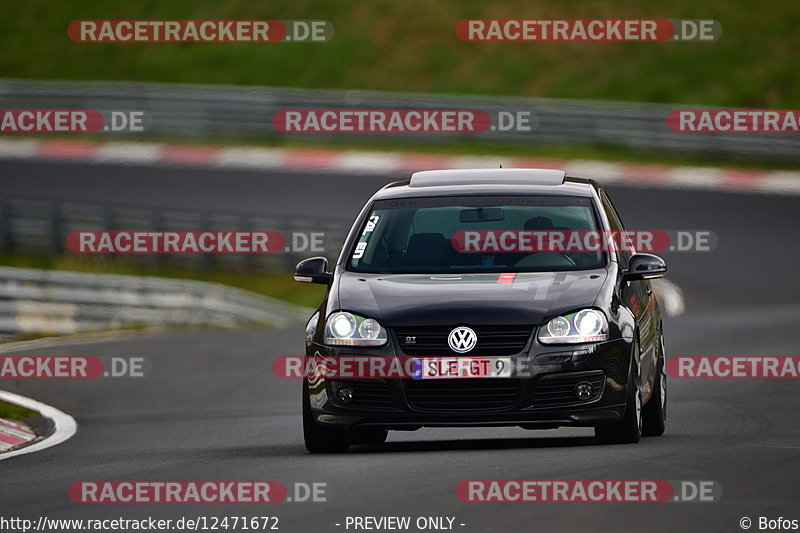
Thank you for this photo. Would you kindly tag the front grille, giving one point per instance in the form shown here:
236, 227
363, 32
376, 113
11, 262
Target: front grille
367, 394
557, 389
478, 394
492, 340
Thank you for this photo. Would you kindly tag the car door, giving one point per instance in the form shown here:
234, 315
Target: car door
638, 297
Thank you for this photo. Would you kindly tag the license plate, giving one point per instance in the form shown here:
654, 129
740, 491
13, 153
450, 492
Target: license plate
461, 367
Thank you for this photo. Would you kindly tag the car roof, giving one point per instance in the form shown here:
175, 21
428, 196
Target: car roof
491, 182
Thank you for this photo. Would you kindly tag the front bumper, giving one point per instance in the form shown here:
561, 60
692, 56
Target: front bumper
538, 396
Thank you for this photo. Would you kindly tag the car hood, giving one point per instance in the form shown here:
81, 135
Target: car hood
416, 299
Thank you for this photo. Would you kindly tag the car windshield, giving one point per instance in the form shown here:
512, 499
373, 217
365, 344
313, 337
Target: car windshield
474, 234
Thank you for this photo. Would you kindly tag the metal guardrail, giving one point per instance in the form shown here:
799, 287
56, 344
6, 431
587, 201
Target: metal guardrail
42, 226
237, 112
56, 302
34, 301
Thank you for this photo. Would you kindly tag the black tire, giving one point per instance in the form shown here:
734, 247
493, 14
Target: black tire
654, 414
629, 429
368, 435
319, 439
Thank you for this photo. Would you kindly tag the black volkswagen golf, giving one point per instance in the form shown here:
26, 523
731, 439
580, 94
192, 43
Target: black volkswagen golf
500, 288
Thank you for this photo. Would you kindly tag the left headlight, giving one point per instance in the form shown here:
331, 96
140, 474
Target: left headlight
586, 325
346, 329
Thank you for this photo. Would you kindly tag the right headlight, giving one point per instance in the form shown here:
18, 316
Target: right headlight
586, 325
346, 329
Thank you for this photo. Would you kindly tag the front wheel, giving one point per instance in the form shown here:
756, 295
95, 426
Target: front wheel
319, 439
629, 429
654, 414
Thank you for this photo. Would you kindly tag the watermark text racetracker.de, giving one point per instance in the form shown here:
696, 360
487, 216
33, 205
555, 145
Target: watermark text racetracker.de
733, 366
366, 366
390, 367
429, 121
588, 491
199, 31
73, 121
201, 491
73, 367
581, 241
734, 121
588, 30
193, 242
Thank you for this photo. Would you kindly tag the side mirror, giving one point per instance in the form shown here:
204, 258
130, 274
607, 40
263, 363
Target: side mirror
313, 270
644, 266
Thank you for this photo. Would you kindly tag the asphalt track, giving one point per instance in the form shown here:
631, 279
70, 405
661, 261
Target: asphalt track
212, 410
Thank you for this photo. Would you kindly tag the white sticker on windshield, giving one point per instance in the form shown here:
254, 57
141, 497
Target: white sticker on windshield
371, 223
359, 251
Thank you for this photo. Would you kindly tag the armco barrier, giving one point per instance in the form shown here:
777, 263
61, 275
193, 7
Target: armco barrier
47, 301
237, 112
30, 225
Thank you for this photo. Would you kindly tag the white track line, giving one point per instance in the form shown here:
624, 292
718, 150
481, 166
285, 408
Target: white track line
65, 425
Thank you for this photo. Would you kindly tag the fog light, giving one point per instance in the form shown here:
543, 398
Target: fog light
344, 394
583, 390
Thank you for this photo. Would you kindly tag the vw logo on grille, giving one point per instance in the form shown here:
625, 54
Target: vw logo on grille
462, 339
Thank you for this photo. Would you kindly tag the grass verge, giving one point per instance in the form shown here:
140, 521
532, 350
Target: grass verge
15, 412
411, 45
